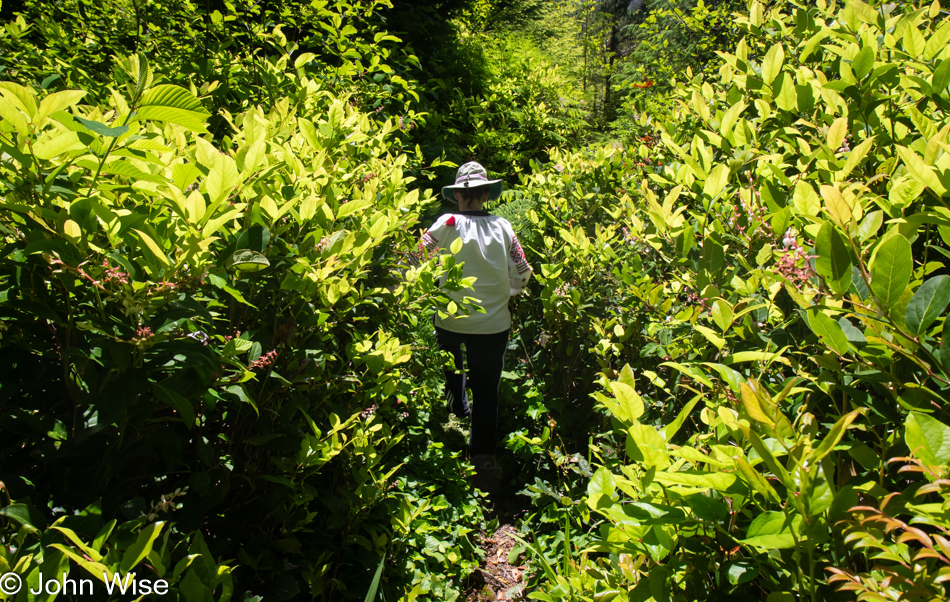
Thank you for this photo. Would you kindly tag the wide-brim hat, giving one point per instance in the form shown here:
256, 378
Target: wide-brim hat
472, 175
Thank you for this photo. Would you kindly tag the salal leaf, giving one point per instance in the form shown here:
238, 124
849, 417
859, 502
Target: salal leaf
941, 76
829, 331
153, 247
927, 438
863, 62
834, 436
773, 531
836, 133
772, 64
891, 270
834, 259
173, 104
930, 300
178, 402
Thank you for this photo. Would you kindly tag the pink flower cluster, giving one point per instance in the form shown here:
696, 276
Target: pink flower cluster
795, 264
368, 412
263, 361
114, 274
143, 333
752, 213
692, 297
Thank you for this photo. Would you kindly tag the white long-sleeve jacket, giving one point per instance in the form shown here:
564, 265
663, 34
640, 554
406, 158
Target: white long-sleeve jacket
493, 255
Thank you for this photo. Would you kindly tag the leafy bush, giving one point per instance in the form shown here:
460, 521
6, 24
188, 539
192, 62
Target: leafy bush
214, 324
786, 314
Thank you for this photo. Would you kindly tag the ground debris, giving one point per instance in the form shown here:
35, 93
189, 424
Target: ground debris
496, 578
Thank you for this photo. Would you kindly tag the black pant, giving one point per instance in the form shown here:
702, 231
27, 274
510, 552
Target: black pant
485, 355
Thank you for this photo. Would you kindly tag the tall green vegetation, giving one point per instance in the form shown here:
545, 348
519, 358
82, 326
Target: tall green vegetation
208, 324
761, 285
728, 378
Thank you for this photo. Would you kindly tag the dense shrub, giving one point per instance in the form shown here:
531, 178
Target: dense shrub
787, 308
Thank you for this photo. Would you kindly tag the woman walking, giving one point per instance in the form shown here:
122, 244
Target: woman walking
491, 253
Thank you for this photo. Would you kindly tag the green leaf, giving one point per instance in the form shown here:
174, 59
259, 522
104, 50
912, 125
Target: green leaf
730, 117
53, 147
214, 224
646, 445
930, 300
247, 260
670, 430
711, 336
628, 400
153, 247
178, 402
835, 434
756, 480
606, 595
772, 63
21, 97
742, 572
785, 93
142, 546
904, 191
941, 76
707, 508
752, 405
829, 331
71, 535
943, 353
10, 113
600, 489
173, 104
720, 481
374, 584
863, 62
834, 259
891, 270
853, 333
221, 180
927, 438
56, 102
722, 314
102, 129
772, 531
351, 207
121, 167
836, 133
24, 514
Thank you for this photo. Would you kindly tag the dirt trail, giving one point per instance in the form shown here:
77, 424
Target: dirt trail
497, 579
499, 576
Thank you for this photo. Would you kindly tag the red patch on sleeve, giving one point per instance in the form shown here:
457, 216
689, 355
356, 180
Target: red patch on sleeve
450, 221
